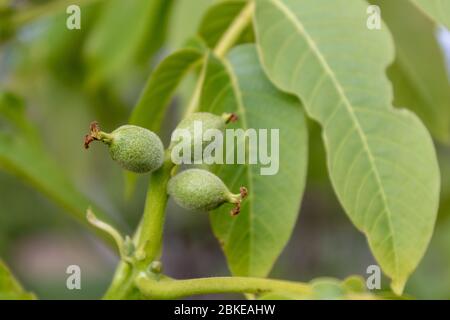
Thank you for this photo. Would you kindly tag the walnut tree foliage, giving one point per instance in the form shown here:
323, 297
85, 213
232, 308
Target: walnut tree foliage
380, 96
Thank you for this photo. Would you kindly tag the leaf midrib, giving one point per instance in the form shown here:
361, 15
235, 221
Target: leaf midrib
250, 198
301, 29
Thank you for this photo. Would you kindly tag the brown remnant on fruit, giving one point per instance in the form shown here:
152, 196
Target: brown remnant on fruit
231, 117
94, 129
201, 190
237, 209
134, 148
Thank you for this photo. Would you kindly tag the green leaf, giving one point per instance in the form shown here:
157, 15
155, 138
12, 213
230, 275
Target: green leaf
127, 32
253, 240
381, 160
12, 108
438, 10
155, 98
29, 162
419, 72
10, 289
218, 19
355, 284
63, 58
22, 154
327, 289
185, 19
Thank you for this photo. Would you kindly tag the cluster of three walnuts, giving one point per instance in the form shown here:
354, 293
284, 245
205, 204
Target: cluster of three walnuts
140, 150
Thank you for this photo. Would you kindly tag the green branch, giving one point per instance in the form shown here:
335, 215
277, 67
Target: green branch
148, 237
174, 289
121, 284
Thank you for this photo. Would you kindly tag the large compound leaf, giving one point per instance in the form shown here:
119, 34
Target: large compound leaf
253, 240
438, 10
381, 160
419, 72
10, 288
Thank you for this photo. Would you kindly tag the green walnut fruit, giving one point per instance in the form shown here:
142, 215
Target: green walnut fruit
207, 121
201, 190
134, 148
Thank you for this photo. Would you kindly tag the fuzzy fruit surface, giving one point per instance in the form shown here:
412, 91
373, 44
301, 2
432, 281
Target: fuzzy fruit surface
207, 120
136, 149
198, 190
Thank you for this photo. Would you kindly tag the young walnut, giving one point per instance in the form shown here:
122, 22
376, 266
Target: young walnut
134, 148
208, 121
201, 190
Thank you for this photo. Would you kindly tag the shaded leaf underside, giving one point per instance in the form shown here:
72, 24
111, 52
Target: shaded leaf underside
381, 160
253, 240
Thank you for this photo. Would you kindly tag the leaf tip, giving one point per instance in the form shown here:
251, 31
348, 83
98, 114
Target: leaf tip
398, 285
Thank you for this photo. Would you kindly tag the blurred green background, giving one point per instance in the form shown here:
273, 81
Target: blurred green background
58, 80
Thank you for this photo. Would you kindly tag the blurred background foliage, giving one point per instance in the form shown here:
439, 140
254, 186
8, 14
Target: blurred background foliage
55, 81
